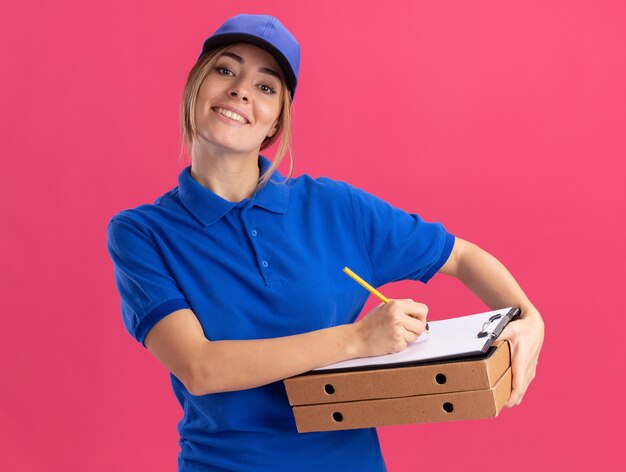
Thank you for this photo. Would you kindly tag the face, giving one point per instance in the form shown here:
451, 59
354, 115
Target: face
239, 102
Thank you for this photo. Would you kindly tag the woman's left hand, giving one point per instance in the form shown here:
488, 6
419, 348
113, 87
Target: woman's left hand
525, 337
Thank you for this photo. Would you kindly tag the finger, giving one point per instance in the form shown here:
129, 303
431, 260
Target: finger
414, 325
514, 400
516, 394
516, 373
414, 309
508, 332
400, 345
410, 336
518, 385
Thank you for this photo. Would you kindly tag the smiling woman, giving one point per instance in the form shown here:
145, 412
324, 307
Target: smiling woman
233, 279
230, 63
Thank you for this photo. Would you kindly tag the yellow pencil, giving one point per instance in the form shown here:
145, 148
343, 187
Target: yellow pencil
369, 288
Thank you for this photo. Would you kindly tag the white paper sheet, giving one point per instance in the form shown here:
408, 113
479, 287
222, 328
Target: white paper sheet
454, 337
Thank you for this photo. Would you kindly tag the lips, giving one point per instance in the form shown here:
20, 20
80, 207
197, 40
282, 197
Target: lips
232, 109
227, 119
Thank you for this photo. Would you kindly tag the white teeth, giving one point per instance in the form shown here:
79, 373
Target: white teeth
231, 115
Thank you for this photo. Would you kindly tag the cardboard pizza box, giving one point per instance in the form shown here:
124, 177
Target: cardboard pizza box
461, 389
451, 406
318, 387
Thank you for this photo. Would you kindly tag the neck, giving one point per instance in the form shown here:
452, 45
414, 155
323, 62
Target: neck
232, 177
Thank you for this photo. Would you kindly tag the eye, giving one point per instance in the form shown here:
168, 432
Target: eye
269, 90
219, 69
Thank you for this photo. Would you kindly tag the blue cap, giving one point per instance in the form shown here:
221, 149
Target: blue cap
266, 32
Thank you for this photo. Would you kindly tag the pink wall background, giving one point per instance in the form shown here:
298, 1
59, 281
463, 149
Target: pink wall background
503, 120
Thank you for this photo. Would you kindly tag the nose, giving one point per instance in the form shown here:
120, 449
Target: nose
238, 90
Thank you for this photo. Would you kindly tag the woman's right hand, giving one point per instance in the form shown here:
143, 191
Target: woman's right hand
390, 327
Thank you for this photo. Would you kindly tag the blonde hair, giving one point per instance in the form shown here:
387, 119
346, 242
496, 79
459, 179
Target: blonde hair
189, 132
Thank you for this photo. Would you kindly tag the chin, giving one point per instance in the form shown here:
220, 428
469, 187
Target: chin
227, 142
231, 147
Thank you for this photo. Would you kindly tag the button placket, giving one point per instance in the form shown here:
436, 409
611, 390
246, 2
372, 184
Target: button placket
251, 229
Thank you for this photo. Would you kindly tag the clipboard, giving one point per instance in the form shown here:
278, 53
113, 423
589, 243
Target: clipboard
460, 338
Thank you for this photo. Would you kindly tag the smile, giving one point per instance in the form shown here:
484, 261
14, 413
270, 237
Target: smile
230, 115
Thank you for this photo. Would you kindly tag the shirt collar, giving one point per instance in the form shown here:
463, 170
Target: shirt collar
208, 207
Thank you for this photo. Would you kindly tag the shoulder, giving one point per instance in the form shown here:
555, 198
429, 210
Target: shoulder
320, 187
337, 191
133, 231
148, 215
331, 195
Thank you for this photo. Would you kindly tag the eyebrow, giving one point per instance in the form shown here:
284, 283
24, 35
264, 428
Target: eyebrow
240, 60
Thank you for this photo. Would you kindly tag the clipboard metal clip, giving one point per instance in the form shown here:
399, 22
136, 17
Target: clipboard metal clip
482, 333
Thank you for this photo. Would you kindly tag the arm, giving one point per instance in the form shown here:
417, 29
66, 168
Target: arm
204, 366
490, 281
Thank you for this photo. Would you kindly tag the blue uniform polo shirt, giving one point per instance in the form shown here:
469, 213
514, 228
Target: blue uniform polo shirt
264, 267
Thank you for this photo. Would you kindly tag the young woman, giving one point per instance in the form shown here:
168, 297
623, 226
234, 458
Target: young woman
233, 279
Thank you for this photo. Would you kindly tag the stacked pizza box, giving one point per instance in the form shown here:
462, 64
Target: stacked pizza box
460, 389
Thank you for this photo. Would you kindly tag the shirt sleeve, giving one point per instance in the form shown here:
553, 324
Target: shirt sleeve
147, 290
400, 245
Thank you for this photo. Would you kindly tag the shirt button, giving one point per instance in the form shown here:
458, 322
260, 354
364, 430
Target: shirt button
265, 263
254, 233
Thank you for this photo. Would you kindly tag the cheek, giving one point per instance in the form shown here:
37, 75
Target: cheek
206, 90
202, 112
200, 118
271, 113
